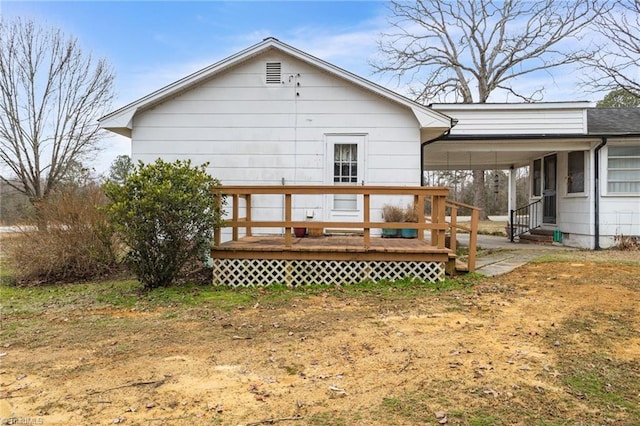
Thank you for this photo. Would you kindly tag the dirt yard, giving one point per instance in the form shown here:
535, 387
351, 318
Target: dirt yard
549, 344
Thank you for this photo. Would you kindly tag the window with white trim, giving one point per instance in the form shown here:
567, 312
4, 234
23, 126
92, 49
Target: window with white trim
623, 169
575, 172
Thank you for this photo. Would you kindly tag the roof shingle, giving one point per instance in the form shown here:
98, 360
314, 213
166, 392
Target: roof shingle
613, 121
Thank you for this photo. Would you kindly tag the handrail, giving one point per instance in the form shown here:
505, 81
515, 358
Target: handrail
438, 226
473, 230
524, 219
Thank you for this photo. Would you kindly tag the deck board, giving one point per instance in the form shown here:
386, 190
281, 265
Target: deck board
331, 247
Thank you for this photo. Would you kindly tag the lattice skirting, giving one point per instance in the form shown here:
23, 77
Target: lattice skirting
262, 272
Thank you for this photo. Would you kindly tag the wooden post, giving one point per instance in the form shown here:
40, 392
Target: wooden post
473, 239
419, 201
217, 238
235, 217
287, 220
367, 220
435, 209
454, 227
438, 217
248, 215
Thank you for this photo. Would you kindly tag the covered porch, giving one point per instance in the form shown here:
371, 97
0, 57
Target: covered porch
545, 155
567, 146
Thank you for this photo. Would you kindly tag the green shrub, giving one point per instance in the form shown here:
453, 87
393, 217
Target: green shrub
71, 241
165, 213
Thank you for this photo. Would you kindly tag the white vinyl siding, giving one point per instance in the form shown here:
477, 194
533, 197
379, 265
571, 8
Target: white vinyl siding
517, 119
252, 133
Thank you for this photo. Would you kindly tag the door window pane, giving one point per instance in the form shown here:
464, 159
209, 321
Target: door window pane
345, 163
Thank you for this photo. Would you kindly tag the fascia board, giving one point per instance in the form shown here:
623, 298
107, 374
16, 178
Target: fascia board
185, 82
427, 117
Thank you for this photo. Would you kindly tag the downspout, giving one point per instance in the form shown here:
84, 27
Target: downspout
596, 195
430, 141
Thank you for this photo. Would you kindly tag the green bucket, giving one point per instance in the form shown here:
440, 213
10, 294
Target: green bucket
557, 236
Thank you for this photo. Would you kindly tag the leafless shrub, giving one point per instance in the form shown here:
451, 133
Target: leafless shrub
391, 213
627, 242
72, 241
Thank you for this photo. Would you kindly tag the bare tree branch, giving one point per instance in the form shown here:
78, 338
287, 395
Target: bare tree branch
618, 65
51, 95
468, 49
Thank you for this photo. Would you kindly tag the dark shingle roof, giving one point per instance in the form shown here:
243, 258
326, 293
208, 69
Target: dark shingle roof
613, 121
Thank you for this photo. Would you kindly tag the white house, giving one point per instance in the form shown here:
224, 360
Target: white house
584, 163
272, 114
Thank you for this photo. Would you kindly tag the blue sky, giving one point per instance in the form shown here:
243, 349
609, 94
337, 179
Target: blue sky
153, 43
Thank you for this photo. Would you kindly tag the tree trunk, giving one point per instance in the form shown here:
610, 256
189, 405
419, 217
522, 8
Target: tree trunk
479, 193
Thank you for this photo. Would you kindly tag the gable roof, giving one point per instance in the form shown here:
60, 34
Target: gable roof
121, 120
613, 121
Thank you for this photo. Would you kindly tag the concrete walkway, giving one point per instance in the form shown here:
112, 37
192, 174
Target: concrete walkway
504, 256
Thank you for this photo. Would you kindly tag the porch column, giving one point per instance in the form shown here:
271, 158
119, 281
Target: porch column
511, 195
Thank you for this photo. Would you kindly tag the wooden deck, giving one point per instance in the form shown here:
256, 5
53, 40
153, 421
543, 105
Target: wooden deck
332, 248
278, 256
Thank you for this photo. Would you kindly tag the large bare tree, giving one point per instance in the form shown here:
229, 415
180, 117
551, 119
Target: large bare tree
467, 50
617, 65
51, 95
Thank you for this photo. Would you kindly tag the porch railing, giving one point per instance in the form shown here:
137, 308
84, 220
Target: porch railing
436, 224
524, 219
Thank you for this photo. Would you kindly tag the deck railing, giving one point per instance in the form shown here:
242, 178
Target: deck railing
436, 223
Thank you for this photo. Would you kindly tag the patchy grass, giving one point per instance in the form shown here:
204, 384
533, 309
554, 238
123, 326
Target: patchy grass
610, 256
130, 294
7, 275
590, 368
548, 344
409, 407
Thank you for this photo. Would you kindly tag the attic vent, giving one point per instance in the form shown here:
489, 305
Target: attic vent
274, 72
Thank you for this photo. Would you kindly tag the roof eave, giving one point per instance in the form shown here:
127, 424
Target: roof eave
120, 122
426, 117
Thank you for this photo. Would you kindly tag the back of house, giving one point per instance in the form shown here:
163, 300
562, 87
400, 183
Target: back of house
274, 115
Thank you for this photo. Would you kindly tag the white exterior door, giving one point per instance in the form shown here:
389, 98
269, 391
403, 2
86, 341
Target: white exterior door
345, 166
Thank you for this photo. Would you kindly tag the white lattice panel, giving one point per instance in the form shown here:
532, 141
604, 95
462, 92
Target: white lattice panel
255, 272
